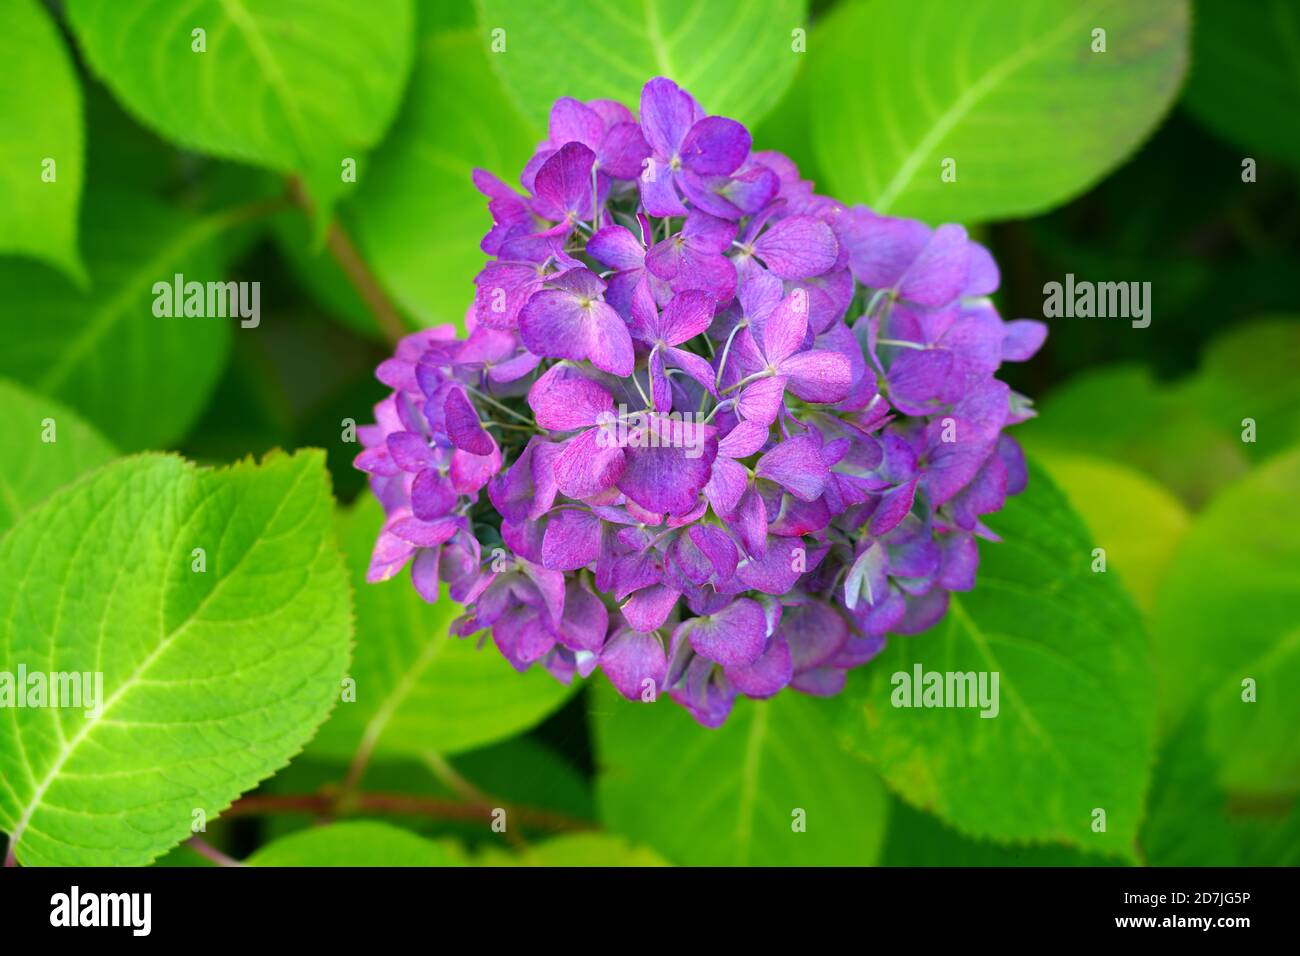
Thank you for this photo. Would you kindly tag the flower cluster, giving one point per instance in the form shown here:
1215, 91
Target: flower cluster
710, 432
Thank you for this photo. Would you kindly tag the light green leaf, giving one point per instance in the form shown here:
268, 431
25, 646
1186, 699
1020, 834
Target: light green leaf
41, 140
1190, 435
1245, 82
735, 796
1132, 518
1121, 413
1075, 714
31, 467
357, 843
1011, 92
139, 378
736, 57
419, 218
578, 849
298, 88
211, 680
1229, 610
1249, 372
419, 689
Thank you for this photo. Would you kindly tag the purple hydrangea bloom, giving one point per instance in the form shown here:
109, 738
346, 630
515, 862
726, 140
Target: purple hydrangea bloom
710, 432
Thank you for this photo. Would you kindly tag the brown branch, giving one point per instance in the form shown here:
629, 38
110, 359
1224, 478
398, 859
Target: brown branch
354, 268
324, 804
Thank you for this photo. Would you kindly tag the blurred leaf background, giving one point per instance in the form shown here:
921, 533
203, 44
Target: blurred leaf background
1171, 156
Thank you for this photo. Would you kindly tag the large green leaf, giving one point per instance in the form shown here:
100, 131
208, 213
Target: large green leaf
139, 378
736, 795
295, 87
1229, 610
30, 466
918, 839
419, 217
356, 843
1074, 724
1010, 91
1136, 521
735, 56
1245, 81
1186, 822
40, 124
419, 689
211, 679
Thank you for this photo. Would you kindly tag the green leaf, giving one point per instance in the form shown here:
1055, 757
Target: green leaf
733, 796
578, 849
297, 88
419, 689
1073, 730
139, 378
419, 218
1189, 434
1245, 82
32, 467
1121, 413
1136, 521
1011, 92
736, 57
40, 125
1265, 841
1186, 822
1229, 610
211, 680
1250, 372
918, 839
358, 843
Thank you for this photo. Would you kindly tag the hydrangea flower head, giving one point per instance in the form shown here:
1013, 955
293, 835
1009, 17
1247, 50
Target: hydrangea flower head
710, 433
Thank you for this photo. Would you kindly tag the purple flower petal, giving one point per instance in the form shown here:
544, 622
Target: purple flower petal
463, 426
572, 540
634, 663
649, 608
797, 247
796, 465
588, 465
560, 324
1022, 338
563, 184
564, 399
767, 675
668, 479
819, 375
735, 635
715, 146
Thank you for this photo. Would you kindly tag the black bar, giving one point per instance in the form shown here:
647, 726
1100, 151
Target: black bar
335, 905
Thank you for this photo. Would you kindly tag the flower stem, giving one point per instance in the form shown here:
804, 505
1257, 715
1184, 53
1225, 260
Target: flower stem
355, 269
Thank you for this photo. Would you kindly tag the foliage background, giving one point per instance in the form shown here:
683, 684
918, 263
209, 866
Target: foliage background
1120, 691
